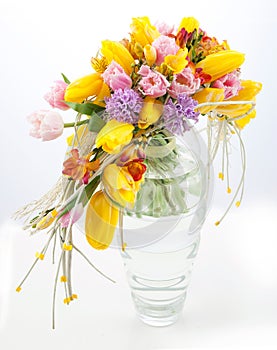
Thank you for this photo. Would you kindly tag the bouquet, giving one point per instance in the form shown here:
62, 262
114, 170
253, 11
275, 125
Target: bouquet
142, 92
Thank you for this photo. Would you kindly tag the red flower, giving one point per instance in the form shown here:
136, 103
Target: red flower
136, 168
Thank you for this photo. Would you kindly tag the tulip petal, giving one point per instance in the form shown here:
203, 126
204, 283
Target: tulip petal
150, 113
208, 95
114, 135
248, 92
101, 221
221, 63
189, 23
240, 123
113, 50
82, 88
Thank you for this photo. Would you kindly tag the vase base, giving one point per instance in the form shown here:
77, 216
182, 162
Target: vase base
159, 313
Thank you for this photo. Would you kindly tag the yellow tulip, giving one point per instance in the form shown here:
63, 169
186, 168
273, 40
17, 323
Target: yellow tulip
150, 54
208, 95
248, 92
177, 62
120, 185
114, 136
240, 123
151, 111
221, 63
89, 85
189, 23
113, 50
142, 31
101, 221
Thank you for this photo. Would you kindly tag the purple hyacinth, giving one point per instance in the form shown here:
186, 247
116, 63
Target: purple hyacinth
124, 106
176, 114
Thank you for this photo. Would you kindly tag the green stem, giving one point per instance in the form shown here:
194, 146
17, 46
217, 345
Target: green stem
71, 125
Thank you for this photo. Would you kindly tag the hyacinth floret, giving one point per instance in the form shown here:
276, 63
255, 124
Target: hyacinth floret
124, 105
176, 115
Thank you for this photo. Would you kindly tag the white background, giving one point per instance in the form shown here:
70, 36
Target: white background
232, 300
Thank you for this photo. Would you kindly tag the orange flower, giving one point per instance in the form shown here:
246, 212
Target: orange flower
80, 168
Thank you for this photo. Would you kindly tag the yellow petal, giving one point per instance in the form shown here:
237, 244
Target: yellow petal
220, 63
177, 62
151, 111
113, 50
240, 123
248, 92
150, 54
189, 23
119, 185
114, 136
114, 178
208, 95
142, 31
103, 92
101, 221
82, 88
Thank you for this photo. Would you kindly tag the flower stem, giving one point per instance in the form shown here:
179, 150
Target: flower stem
71, 125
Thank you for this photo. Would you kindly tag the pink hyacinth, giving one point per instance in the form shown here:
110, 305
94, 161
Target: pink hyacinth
230, 83
152, 83
164, 46
164, 28
184, 82
46, 125
55, 96
115, 77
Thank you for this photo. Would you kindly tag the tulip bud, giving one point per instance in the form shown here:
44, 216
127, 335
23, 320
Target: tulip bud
101, 221
151, 111
189, 23
221, 63
87, 86
150, 54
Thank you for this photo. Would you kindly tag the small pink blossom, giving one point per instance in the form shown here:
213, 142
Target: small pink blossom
230, 83
164, 28
55, 96
152, 83
184, 82
47, 125
115, 77
164, 46
72, 216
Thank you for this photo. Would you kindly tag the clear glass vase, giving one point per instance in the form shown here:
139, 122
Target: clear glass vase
162, 231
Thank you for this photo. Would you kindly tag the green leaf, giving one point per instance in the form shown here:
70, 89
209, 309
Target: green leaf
87, 108
66, 80
95, 123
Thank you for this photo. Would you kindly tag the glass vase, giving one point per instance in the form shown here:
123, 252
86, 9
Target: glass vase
162, 231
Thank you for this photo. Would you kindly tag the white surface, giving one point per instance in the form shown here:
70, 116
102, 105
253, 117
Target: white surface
232, 300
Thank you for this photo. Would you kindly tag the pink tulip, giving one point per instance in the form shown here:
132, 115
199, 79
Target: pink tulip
152, 83
115, 77
164, 28
184, 82
47, 125
230, 83
55, 96
164, 46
